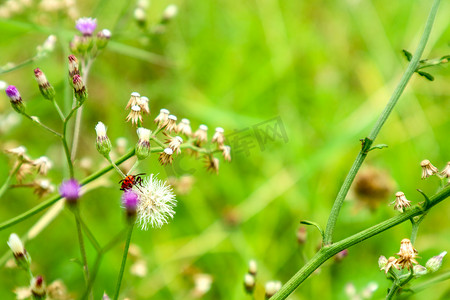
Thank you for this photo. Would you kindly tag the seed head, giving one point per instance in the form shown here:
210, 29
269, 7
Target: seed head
135, 115
184, 127
218, 137
212, 164
252, 267
175, 143
171, 123
18, 151
102, 143
446, 171
401, 202
70, 189
156, 202
42, 164
162, 118
86, 26
428, 169
143, 145
166, 157
391, 262
226, 152
201, 135
134, 100
43, 187
407, 254
143, 103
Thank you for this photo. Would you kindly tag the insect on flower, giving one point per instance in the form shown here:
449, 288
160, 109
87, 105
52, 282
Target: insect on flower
130, 181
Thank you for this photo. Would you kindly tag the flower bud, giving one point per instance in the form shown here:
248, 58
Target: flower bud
44, 86
103, 144
73, 66
382, 262
15, 99
86, 26
103, 38
249, 283
143, 145
169, 13
79, 89
37, 286
23, 260
130, 201
70, 190
252, 267
434, 263
419, 270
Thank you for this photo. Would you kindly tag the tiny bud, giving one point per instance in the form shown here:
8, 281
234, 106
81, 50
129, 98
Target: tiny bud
169, 13
175, 144
419, 270
70, 190
16, 100
44, 86
140, 16
382, 262
184, 127
103, 38
218, 137
249, 283
134, 100
23, 260
143, 145
434, 263
272, 287
103, 144
37, 286
171, 123
73, 66
162, 118
79, 89
252, 267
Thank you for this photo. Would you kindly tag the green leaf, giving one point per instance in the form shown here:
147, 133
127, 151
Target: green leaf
407, 54
378, 146
426, 75
306, 222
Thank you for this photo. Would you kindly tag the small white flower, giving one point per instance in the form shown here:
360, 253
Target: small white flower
156, 202
16, 245
170, 12
100, 129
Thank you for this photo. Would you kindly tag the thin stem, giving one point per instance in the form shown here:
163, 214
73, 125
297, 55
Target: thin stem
421, 286
116, 167
90, 236
61, 115
7, 182
36, 121
415, 228
76, 213
64, 140
327, 252
379, 124
124, 260
398, 284
133, 167
155, 139
55, 198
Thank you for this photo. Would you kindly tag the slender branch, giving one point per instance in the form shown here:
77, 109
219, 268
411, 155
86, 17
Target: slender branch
327, 252
36, 121
124, 260
76, 212
60, 113
380, 122
7, 182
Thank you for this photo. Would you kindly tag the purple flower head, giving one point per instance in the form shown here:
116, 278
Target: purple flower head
130, 201
13, 94
70, 190
86, 26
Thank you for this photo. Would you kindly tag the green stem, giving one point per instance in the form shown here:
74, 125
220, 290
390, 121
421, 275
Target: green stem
329, 251
421, 286
398, 284
155, 139
124, 260
76, 212
90, 236
379, 124
116, 167
415, 228
133, 167
61, 115
57, 197
7, 182
35, 121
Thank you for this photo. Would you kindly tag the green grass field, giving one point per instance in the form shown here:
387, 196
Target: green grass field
295, 85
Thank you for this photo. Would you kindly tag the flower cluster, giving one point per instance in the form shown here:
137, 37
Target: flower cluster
85, 43
429, 170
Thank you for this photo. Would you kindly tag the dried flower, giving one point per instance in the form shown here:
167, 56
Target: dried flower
391, 262
166, 157
201, 135
272, 287
143, 145
218, 137
407, 254
73, 66
16, 100
401, 202
434, 263
184, 127
135, 115
171, 123
130, 201
37, 286
42, 164
18, 151
156, 202
86, 26
43, 187
102, 143
175, 143
162, 118
44, 86
79, 89
70, 190
249, 283
212, 164
446, 171
134, 100
382, 262
103, 38
226, 152
143, 103
428, 169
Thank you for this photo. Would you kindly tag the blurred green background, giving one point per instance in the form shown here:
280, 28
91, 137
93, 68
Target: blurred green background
323, 69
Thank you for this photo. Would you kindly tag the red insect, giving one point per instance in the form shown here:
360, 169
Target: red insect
131, 180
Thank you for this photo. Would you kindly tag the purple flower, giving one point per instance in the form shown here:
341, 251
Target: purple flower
86, 26
130, 201
13, 94
70, 190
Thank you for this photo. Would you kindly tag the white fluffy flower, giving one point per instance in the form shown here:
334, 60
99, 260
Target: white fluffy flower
156, 202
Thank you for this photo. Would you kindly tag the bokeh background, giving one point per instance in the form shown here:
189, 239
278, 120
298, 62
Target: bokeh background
314, 73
